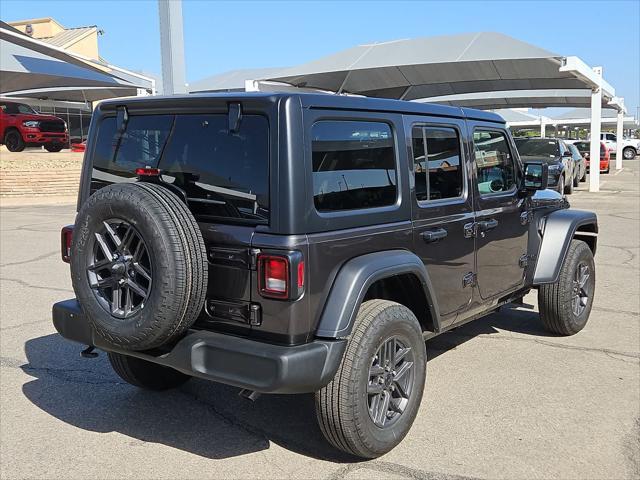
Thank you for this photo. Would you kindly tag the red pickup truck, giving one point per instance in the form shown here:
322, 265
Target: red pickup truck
21, 126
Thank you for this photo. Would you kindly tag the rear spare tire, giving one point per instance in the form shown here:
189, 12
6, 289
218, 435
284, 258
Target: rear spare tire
138, 265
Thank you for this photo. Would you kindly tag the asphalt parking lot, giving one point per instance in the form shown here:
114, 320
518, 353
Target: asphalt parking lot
503, 398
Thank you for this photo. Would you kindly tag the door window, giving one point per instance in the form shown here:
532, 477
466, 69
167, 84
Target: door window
354, 165
494, 162
436, 161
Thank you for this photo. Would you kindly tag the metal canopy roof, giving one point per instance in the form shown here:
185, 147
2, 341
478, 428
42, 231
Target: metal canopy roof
521, 99
231, 81
30, 68
443, 65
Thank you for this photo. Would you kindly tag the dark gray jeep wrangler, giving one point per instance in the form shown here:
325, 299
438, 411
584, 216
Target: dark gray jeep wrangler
294, 243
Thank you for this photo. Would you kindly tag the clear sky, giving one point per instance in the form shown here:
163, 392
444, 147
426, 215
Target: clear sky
221, 36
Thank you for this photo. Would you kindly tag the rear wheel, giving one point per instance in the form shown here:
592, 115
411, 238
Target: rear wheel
566, 304
372, 401
53, 147
143, 374
568, 189
629, 153
13, 141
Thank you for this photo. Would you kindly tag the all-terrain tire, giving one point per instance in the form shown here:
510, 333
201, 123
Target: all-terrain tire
13, 141
557, 300
176, 250
143, 374
342, 407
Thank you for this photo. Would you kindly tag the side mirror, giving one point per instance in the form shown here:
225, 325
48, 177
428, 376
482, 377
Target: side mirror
536, 177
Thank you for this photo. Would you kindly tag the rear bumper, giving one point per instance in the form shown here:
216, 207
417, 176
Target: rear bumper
223, 358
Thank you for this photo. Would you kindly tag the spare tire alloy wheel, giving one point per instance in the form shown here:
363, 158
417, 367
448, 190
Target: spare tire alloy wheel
390, 382
120, 270
138, 266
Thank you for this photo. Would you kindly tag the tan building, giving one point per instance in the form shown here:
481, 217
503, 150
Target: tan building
81, 40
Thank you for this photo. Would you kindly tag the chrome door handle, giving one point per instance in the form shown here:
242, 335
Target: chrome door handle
434, 235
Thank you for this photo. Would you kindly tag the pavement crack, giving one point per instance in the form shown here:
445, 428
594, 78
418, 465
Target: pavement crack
63, 374
24, 262
20, 325
29, 285
615, 310
393, 469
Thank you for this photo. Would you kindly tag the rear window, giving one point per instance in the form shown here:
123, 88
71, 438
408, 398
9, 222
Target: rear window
537, 147
354, 165
224, 175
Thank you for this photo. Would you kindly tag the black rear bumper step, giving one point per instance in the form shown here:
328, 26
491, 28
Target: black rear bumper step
236, 361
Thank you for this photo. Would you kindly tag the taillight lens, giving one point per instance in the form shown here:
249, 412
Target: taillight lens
273, 276
148, 172
300, 276
66, 236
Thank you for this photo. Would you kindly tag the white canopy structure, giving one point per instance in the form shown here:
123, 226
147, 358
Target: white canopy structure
30, 68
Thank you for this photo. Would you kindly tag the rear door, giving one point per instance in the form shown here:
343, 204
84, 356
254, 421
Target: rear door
501, 215
442, 210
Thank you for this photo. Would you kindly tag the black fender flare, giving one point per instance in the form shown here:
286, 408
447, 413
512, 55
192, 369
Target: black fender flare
354, 279
559, 229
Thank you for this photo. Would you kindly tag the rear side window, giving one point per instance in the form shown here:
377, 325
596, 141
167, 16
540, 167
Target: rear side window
437, 170
224, 174
354, 165
494, 162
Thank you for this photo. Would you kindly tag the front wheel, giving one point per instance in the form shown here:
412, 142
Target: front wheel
576, 180
147, 375
13, 141
371, 403
560, 186
566, 304
568, 189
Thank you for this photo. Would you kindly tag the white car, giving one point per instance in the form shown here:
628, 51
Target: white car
630, 148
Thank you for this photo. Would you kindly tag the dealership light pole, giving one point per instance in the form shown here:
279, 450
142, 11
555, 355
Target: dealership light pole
619, 134
594, 151
172, 47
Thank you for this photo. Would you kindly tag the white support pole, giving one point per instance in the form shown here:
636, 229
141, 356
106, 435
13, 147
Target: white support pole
172, 47
594, 151
543, 129
619, 137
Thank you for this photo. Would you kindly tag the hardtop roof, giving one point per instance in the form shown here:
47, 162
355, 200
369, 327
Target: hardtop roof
310, 100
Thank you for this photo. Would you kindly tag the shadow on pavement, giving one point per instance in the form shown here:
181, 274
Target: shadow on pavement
203, 418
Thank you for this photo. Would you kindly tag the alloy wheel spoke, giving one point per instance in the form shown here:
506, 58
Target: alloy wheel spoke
99, 265
400, 389
375, 388
115, 300
383, 408
128, 300
112, 233
106, 251
127, 238
136, 288
142, 271
404, 368
103, 283
400, 354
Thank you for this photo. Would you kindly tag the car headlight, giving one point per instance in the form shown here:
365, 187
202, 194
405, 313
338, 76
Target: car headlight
554, 168
31, 123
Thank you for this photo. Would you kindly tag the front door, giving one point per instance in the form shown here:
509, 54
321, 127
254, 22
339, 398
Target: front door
442, 207
501, 215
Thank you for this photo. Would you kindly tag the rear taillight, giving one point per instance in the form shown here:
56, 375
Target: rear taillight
66, 236
274, 276
148, 172
281, 275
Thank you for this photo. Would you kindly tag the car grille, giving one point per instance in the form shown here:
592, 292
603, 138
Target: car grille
52, 126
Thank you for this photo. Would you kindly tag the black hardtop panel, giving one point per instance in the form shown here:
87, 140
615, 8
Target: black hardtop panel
307, 100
